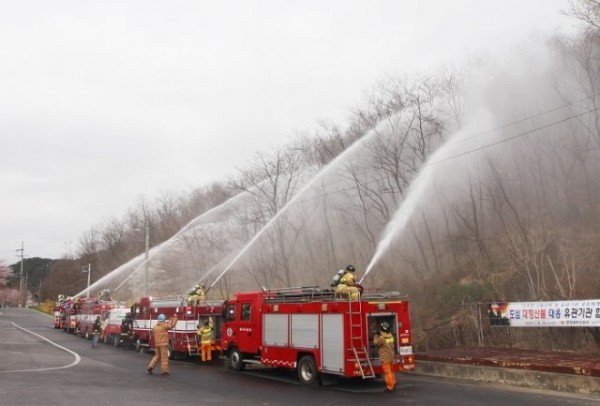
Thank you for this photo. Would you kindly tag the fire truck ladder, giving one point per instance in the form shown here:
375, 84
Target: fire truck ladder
361, 356
192, 343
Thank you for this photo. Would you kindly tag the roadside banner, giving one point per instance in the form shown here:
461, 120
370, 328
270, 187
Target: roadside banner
570, 313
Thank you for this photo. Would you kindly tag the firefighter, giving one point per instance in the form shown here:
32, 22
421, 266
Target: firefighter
385, 346
161, 343
103, 325
96, 330
198, 294
347, 284
205, 334
105, 295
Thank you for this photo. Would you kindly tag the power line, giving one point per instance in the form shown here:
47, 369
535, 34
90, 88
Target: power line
513, 137
22, 280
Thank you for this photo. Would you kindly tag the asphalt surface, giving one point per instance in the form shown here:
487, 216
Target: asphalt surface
35, 372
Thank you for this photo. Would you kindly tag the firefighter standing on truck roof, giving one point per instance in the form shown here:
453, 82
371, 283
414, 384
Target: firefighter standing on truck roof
197, 294
161, 343
385, 345
347, 284
205, 333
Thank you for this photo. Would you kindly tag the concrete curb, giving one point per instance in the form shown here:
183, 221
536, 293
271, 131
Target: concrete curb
585, 385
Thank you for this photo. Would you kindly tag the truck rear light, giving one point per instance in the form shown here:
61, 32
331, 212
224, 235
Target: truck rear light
410, 359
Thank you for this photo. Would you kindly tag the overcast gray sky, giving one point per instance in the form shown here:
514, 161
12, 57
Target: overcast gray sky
104, 101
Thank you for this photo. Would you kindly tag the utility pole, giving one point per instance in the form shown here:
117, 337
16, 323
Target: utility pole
146, 256
22, 302
89, 272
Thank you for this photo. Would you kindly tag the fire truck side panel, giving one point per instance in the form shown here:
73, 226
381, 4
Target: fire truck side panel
305, 331
275, 330
332, 343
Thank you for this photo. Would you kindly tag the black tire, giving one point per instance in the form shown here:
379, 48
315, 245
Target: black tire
138, 346
87, 334
115, 339
170, 352
307, 371
236, 360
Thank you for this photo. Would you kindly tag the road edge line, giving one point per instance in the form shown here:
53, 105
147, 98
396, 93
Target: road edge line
72, 364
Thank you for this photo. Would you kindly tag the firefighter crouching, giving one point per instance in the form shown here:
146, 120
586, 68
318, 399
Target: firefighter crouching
385, 346
205, 335
198, 294
345, 286
161, 343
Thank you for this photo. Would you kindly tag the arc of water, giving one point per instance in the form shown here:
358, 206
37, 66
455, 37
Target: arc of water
418, 187
357, 144
155, 250
416, 192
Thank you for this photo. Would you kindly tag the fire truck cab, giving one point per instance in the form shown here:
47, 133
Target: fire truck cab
112, 330
313, 331
59, 311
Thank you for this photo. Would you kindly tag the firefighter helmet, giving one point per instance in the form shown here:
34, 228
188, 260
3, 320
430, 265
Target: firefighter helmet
161, 317
385, 327
350, 268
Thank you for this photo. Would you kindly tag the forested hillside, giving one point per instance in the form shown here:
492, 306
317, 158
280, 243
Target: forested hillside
508, 208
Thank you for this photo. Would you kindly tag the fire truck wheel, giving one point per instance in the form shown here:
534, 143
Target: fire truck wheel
87, 334
236, 361
138, 346
115, 340
170, 351
307, 370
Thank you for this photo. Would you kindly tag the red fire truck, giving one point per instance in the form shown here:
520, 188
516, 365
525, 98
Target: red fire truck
311, 330
67, 312
90, 309
182, 338
59, 312
112, 329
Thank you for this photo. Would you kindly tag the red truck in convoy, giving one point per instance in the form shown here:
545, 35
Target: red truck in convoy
310, 330
65, 313
182, 338
59, 313
314, 332
91, 308
112, 327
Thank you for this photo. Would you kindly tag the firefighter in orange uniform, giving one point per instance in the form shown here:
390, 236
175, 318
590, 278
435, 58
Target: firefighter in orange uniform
385, 345
206, 336
161, 343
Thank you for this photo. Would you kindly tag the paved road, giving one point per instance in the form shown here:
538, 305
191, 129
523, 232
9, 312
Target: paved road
36, 372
